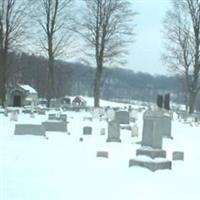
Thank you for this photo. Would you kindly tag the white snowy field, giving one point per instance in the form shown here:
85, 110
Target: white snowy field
63, 168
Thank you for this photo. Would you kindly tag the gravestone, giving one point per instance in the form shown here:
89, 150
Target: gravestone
151, 145
41, 112
54, 125
167, 102
177, 155
102, 154
122, 117
52, 117
102, 131
113, 132
87, 130
14, 116
63, 117
133, 115
166, 125
160, 101
29, 129
111, 114
134, 131
32, 115
152, 127
6, 113
58, 117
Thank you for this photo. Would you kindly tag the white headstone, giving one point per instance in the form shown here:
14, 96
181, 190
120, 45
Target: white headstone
134, 131
113, 132
14, 116
111, 114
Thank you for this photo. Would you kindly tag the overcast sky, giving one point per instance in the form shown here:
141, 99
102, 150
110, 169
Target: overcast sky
146, 52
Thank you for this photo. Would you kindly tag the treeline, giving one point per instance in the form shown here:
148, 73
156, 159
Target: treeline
78, 79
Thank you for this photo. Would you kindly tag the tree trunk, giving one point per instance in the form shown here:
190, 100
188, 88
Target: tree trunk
97, 86
3, 67
192, 102
51, 86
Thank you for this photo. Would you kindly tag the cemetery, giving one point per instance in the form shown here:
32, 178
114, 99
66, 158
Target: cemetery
156, 151
99, 100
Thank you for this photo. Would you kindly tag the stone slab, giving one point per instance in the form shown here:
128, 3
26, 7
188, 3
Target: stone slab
152, 153
113, 139
103, 154
58, 126
29, 129
151, 165
178, 155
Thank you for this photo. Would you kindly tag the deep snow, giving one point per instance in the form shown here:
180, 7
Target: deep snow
62, 167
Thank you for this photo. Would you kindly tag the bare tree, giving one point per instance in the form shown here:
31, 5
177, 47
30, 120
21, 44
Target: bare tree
107, 28
53, 18
12, 18
182, 36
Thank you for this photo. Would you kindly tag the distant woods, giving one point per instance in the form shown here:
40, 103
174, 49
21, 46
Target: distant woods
100, 33
78, 79
105, 25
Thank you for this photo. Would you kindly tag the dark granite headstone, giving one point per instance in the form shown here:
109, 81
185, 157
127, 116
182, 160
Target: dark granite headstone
160, 101
167, 102
122, 117
87, 130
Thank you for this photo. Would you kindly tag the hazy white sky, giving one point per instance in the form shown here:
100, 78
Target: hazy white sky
145, 55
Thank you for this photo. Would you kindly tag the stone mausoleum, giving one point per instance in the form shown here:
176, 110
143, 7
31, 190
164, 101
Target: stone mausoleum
21, 95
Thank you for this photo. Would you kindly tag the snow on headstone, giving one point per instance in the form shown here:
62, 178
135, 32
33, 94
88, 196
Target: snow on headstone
111, 114
133, 115
97, 113
134, 131
102, 131
32, 115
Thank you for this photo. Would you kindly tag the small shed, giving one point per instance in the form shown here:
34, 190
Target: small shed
21, 95
79, 101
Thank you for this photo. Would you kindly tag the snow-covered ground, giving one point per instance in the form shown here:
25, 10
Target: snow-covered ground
62, 167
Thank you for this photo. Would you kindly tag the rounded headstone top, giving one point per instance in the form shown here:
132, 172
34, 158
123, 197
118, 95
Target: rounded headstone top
153, 113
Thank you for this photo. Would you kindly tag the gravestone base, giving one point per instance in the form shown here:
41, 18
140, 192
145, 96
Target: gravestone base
125, 126
113, 140
151, 165
102, 154
152, 153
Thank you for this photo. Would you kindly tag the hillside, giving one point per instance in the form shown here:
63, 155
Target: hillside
77, 79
